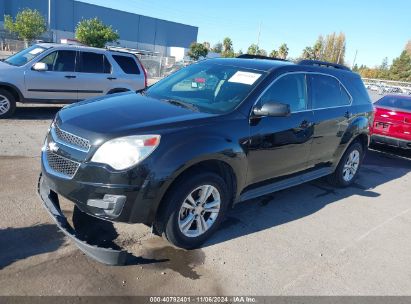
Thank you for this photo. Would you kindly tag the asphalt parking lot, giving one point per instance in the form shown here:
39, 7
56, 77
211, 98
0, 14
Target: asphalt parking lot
309, 240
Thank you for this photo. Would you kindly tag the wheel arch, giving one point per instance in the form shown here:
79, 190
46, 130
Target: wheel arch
216, 166
12, 89
358, 130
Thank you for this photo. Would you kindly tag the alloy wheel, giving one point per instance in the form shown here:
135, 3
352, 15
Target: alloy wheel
351, 165
4, 104
199, 211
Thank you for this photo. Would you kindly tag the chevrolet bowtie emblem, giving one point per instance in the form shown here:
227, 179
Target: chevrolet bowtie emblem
53, 147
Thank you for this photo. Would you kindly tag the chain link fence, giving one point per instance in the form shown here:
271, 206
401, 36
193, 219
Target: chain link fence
10, 42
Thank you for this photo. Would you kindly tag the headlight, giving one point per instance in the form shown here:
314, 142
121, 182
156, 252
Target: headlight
125, 152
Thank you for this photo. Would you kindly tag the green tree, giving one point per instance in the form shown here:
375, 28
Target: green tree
274, 54
197, 50
308, 53
207, 45
217, 48
228, 50
401, 68
253, 49
316, 51
94, 32
408, 47
283, 51
29, 25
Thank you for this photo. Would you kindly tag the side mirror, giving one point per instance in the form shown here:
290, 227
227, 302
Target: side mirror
40, 67
273, 109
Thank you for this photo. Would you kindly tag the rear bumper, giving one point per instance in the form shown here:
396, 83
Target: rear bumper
51, 203
391, 141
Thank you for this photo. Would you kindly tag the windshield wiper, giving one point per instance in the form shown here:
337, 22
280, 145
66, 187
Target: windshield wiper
183, 104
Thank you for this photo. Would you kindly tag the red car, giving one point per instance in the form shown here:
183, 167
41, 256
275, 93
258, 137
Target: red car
392, 121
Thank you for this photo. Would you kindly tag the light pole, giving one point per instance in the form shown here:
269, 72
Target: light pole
49, 19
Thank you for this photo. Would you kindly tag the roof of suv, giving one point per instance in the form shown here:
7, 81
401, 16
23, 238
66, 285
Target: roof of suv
69, 46
266, 64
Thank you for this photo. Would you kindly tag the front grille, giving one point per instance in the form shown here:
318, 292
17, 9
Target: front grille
61, 164
71, 139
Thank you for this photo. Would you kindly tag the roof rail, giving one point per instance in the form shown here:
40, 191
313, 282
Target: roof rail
324, 64
249, 56
130, 50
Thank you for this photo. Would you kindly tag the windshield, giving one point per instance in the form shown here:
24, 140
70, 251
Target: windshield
208, 87
399, 102
25, 56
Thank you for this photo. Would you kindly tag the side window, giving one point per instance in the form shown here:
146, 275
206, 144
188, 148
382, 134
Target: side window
127, 64
61, 61
49, 60
94, 63
328, 92
289, 89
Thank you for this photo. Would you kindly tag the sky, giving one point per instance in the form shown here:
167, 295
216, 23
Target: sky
374, 28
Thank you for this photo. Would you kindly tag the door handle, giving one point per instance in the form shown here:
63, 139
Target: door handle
70, 76
348, 115
111, 78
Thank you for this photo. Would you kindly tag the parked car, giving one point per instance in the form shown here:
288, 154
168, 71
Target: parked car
392, 121
209, 136
61, 73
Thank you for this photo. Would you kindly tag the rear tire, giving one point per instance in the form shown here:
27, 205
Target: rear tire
188, 218
347, 170
7, 104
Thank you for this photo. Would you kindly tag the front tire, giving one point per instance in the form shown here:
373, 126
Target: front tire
7, 104
348, 167
194, 209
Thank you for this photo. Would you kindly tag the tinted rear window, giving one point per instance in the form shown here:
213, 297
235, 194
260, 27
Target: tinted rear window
328, 92
128, 64
395, 102
94, 63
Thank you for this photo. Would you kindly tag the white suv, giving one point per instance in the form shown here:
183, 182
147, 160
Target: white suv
59, 73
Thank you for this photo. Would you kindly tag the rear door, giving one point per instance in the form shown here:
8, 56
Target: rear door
59, 82
331, 104
130, 71
95, 75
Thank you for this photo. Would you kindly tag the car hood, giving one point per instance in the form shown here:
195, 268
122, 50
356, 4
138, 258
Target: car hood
5, 66
124, 114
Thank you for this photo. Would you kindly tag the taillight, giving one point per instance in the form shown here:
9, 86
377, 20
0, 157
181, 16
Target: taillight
144, 71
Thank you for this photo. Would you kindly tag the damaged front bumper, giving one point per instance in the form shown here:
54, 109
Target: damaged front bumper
50, 200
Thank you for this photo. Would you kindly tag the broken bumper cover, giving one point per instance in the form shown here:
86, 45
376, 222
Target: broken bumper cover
51, 203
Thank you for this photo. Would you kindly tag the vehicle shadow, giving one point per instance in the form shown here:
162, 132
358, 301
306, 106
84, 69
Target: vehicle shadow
380, 166
36, 112
20, 243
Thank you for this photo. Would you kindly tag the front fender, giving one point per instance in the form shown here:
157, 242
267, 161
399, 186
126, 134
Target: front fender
177, 158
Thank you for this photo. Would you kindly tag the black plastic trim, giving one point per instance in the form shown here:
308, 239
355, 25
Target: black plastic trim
103, 255
64, 91
285, 183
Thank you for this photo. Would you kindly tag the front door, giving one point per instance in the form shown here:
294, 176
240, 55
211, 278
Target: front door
59, 83
280, 146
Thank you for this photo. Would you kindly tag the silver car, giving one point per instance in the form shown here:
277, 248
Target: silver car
59, 73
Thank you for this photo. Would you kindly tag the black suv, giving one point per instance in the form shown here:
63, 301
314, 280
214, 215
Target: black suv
177, 155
